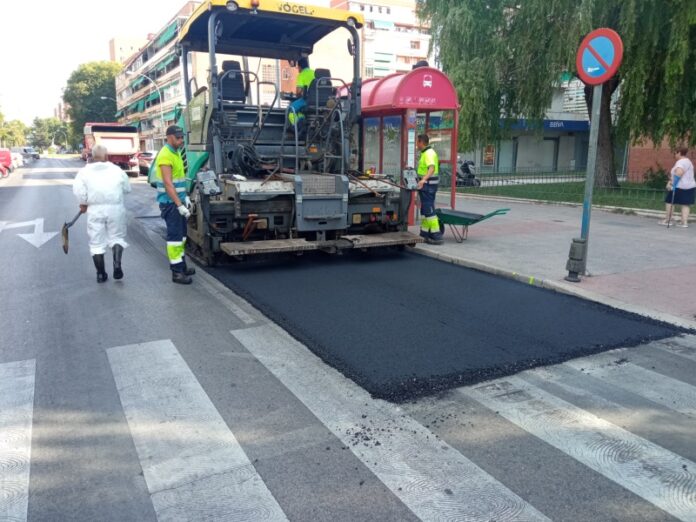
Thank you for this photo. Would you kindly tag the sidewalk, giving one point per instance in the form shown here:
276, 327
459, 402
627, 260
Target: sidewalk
634, 263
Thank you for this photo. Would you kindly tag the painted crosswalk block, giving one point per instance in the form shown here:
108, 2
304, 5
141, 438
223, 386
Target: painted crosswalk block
16, 411
651, 472
193, 465
196, 469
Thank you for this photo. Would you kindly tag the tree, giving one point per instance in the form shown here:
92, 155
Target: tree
47, 131
84, 90
505, 57
12, 133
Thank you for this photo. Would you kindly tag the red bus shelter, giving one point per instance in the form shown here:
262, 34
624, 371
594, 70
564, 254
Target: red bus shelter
400, 106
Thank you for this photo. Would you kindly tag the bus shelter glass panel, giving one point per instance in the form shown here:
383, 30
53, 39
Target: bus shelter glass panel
441, 120
441, 141
371, 141
391, 146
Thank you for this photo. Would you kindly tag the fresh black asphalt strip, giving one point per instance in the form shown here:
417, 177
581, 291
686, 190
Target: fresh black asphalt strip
403, 325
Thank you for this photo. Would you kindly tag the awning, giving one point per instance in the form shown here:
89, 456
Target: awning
138, 106
135, 83
152, 96
169, 115
383, 24
164, 63
422, 88
118, 114
167, 35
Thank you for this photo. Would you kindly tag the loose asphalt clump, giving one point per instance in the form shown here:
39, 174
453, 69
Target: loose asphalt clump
404, 326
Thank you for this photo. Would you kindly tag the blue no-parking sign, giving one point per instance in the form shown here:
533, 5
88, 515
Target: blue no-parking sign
599, 56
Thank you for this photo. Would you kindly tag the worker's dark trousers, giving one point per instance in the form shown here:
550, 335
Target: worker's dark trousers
430, 225
176, 236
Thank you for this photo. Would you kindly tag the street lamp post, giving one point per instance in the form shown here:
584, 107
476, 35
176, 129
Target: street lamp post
159, 93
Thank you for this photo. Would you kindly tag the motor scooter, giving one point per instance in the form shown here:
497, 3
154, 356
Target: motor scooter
466, 174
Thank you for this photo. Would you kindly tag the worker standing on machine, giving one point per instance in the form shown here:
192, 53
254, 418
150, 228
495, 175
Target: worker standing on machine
428, 180
174, 202
304, 80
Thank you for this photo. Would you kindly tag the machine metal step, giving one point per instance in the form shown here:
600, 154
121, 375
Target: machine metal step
361, 241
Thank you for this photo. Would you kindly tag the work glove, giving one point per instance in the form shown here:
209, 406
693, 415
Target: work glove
184, 211
187, 202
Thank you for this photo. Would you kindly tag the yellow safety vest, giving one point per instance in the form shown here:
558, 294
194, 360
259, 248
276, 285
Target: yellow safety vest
429, 157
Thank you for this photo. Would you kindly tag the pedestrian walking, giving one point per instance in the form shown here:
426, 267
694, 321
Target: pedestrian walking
100, 188
681, 188
428, 181
174, 202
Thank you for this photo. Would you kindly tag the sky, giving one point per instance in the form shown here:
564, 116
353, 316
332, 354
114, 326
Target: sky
44, 41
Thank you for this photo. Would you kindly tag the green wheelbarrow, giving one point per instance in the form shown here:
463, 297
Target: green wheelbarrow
456, 218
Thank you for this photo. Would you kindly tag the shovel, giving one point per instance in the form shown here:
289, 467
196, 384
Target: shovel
64, 232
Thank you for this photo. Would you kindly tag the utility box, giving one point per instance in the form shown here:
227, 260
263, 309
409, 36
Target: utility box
576, 259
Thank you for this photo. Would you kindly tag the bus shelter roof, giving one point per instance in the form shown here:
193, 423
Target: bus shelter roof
274, 29
424, 88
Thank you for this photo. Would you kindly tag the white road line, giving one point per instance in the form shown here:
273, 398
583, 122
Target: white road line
681, 346
192, 463
214, 287
430, 477
16, 412
661, 389
651, 472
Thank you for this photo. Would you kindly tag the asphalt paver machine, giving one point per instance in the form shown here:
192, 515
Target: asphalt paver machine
260, 184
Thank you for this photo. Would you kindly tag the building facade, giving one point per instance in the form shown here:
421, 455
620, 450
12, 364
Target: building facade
123, 47
150, 86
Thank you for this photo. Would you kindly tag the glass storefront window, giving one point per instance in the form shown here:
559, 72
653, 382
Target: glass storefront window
441, 141
391, 146
371, 142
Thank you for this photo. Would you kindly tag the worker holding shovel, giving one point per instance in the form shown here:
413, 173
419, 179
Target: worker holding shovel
100, 188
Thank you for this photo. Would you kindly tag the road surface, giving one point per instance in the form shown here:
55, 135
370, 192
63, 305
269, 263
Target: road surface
144, 400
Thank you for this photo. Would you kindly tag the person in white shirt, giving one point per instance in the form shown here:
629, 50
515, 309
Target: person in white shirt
100, 188
682, 183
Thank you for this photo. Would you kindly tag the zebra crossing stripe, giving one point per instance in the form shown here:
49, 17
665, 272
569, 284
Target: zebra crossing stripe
648, 470
661, 389
430, 477
16, 413
682, 346
192, 463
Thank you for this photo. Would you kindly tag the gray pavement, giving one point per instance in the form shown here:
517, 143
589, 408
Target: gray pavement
142, 400
633, 262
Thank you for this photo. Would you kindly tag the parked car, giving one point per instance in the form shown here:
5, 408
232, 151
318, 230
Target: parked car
6, 161
17, 157
30, 152
145, 159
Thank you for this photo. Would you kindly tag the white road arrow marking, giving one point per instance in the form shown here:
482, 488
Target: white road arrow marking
36, 238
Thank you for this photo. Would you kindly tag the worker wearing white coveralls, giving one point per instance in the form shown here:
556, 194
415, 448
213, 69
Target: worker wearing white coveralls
100, 188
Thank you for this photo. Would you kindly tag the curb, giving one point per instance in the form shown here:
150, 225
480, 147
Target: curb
643, 212
561, 287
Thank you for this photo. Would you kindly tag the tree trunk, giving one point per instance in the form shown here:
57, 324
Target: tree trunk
605, 175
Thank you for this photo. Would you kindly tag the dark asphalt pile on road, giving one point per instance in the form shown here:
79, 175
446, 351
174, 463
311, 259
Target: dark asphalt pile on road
404, 325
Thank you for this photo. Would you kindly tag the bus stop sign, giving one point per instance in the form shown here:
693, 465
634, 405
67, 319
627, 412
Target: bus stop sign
599, 56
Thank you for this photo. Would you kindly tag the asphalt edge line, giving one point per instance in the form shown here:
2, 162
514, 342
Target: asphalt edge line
558, 286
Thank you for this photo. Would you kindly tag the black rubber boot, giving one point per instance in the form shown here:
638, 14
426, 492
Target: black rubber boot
99, 265
118, 253
181, 278
189, 271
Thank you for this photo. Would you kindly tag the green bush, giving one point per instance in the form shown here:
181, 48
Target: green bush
656, 179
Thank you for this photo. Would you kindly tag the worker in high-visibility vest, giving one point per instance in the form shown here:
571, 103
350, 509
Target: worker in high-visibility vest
174, 202
304, 80
428, 180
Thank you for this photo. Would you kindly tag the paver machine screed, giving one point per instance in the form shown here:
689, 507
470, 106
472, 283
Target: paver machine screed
260, 180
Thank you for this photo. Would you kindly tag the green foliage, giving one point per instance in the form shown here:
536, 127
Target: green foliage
12, 133
656, 179
49, 131
83, 92
506, 56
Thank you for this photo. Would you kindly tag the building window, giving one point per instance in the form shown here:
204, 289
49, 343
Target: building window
415, 44
286, 73
362, 7
369, 72
388, 10
268, 73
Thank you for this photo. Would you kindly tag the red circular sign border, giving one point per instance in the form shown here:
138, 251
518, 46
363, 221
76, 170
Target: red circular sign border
615, 39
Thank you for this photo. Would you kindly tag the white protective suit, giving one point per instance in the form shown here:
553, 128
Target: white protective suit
102, 186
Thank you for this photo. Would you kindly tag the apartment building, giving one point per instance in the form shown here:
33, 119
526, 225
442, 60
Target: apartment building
150, 85
393, 38
123, 47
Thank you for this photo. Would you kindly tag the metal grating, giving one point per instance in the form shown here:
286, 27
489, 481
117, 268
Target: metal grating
312, 184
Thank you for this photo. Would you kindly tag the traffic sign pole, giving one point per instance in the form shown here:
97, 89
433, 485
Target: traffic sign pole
597, 60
